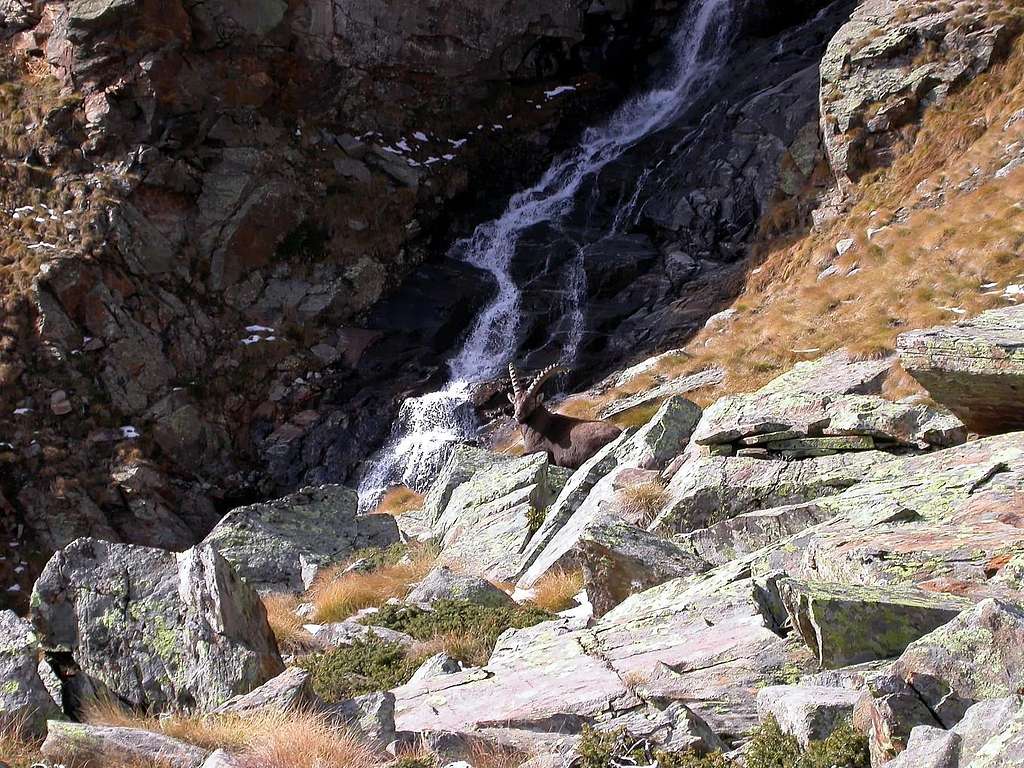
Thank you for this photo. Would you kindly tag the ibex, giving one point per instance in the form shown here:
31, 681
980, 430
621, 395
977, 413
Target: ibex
568, 442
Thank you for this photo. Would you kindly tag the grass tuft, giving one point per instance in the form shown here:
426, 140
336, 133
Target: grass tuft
555, 590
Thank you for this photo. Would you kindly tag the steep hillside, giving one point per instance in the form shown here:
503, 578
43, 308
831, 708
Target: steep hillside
925, 227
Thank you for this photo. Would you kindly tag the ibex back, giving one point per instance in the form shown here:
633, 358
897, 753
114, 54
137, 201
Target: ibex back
568, 442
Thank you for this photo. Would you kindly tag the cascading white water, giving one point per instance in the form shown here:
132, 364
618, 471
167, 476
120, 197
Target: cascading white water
428, 426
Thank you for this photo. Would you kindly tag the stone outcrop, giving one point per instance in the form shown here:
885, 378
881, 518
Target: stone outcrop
663, 437
25, 701
278, 546
975, 368
887, 64
159, 631
442, 584
619, 559
103, 745
489, 519
807, 711
292, 689
844, 624
709, 641
709, 490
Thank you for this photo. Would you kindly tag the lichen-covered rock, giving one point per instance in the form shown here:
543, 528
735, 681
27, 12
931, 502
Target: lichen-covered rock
572, 495
271, 544
292, 689
372, 715
977, 655
975, 368
620, 559
844, 624
463, 462
78, 743
929, 747
490, 518
887, 64
834, 374
663, 437
443, 584
706, 491
807, 711
437, 665
943, 521
344, 633
158, 630
706, 640
24, 699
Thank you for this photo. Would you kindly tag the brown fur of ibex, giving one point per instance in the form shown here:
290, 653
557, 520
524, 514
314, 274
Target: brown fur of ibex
567, 441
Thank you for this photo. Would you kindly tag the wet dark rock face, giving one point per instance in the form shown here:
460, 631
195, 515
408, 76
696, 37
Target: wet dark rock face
263, 197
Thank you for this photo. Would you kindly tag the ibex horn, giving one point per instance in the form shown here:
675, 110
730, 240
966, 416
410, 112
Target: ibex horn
542, 377
517, 381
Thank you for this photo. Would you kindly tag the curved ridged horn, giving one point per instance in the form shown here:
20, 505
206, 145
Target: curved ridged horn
517, 380
542, 378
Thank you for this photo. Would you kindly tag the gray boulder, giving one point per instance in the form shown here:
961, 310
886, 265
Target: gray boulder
847, 624
436, 666
990, 734
270, 544
490, 518
372, 715
344, 633
808, 712
160, 631
977, 655
464, 462
975, 368
706, 491
570, 498
663, 438
620, 559
291, 689
24, 698
101, 745
443, 584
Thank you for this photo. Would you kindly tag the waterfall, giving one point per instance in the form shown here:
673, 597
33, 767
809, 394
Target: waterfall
428, 426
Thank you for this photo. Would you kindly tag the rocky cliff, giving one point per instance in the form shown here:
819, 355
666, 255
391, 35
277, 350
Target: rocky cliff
201, 200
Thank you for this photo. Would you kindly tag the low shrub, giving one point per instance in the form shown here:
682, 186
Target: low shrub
479, 626
770, 747
363, 667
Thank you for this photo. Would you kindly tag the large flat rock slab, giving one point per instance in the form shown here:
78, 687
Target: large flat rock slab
705, 641
844, 624
975, 368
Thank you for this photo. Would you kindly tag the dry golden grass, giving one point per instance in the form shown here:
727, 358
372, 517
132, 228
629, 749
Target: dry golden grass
925, 256
307, 741
268, 739
642, 502
16, 748
399, 500
287, 626
337, 595
471, 649
555, 590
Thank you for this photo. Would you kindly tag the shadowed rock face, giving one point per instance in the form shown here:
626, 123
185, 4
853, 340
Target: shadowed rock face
208, 298
974, 368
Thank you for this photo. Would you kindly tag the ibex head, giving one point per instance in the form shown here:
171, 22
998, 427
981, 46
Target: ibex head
526, 399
